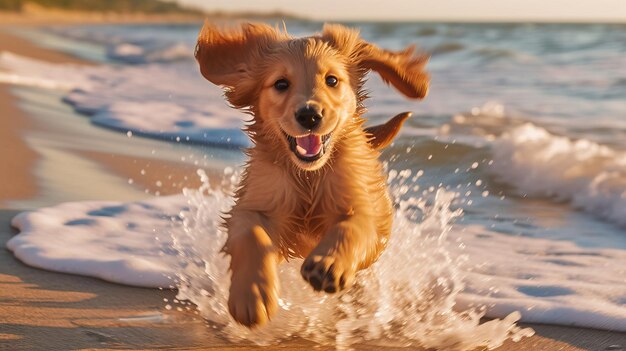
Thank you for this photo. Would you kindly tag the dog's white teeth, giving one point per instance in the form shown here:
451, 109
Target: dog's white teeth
301, 150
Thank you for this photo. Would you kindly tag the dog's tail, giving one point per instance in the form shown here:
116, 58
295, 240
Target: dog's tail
382, 135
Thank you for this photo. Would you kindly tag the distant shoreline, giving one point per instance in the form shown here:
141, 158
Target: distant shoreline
78, 17
46, 16
37, 15
74, 17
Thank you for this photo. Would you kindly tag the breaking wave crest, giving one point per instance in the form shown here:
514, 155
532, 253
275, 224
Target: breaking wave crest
592, 177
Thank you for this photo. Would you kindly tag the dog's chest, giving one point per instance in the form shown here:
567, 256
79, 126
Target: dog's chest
305, 227
314, 209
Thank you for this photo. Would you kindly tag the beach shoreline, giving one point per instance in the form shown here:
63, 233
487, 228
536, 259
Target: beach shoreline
36, 15
42, 310
21, 182
18, 181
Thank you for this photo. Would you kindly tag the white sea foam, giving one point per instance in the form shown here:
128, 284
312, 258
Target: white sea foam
19, 70
173, 104
590, 176
547, 281
117, 242
131, 53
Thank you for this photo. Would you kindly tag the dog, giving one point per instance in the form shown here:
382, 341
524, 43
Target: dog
313, 186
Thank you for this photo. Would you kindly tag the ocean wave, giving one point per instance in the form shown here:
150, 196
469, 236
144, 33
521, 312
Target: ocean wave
479, 126
141, 100
500, 54
590, 176
426, 31
144, 53
20, 70
446, 47
136, 44
495, 53
381, 30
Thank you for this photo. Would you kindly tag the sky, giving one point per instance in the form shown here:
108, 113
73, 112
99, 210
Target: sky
432, 10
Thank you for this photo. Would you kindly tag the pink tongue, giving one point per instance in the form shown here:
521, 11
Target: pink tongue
309, 145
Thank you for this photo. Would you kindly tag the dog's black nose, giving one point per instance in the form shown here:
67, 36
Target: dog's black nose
308, 117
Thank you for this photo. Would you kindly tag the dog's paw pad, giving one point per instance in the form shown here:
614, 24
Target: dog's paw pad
325, 273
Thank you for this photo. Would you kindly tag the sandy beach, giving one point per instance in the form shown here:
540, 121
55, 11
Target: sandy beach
19, 182
41, 310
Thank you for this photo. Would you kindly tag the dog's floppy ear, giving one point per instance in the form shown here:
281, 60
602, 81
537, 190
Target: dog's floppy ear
226, 55
402, 69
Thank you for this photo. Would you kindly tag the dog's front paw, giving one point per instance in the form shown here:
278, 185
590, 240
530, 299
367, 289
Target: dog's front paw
253, 301
326, 273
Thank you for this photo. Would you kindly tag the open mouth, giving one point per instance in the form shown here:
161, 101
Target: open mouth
310, 147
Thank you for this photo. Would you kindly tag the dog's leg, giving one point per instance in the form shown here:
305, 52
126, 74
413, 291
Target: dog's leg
351, 244
253, 298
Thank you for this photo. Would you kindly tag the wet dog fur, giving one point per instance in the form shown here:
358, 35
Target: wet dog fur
313, 186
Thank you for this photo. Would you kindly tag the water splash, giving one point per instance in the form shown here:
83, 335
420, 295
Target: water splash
406, 298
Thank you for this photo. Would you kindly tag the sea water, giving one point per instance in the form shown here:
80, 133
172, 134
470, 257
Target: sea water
510, 184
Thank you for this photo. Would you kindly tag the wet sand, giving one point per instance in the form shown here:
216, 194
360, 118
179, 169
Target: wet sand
17, 179
162, 177
42, 310
17, 182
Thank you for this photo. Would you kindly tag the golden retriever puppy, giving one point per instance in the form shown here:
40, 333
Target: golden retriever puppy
313, 186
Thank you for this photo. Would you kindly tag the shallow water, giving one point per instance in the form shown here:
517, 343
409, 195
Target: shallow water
523, 131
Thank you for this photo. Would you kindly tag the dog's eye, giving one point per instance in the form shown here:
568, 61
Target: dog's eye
281, 84
331, 81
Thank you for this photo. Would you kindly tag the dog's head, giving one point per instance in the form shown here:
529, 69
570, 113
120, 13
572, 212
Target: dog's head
302, 92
